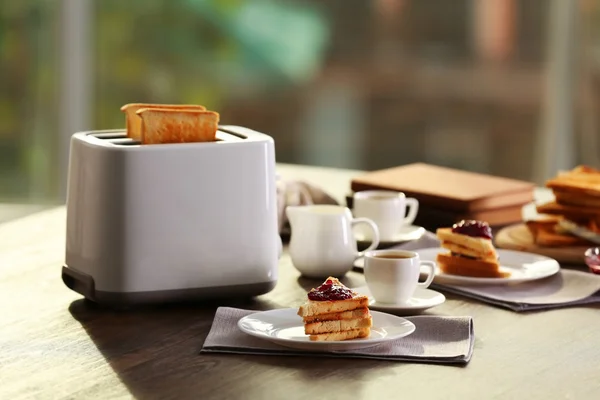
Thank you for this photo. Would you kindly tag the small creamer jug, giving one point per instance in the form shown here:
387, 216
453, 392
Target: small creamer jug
322, 243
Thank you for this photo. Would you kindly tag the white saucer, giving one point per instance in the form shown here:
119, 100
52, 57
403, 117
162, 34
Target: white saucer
406, 234
285, 328
422, 300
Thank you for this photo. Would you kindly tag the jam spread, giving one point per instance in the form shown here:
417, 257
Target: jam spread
462, 255
328, 291
473, 228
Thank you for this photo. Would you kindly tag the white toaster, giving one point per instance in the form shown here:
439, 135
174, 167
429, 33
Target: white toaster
171, 222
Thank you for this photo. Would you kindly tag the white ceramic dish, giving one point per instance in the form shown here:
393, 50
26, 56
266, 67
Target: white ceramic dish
422, 300
524, 267
285, 328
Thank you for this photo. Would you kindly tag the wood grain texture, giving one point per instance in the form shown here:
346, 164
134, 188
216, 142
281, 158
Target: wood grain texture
54, 345
518, 237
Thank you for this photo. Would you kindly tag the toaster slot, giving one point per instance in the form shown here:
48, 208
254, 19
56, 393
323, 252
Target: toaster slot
231, 132
110, 135
125, 142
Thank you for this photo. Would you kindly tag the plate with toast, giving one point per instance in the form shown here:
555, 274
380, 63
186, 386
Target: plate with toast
283, 327
512, 267
467, 256
566, 225
333, 318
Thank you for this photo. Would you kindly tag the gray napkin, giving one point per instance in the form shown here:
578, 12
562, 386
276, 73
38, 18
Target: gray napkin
568, 288
439, 340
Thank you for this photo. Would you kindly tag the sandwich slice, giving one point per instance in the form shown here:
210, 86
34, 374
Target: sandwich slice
471, 251
177, 126
133, 123
580, 181
334, 312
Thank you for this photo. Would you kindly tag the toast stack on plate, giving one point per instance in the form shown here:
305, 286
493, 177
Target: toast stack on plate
577, 199
471, 252
334, 312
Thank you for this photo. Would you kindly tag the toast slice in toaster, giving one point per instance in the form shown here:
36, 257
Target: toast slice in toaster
177, 126
133, 123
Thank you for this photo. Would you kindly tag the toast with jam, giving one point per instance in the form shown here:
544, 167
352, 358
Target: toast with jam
471, 251
334, 312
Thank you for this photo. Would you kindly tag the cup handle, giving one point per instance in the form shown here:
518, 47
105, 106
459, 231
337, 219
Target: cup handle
375, 240
430, 274
413, 209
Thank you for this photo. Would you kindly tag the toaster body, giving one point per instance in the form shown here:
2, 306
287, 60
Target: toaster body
171, 222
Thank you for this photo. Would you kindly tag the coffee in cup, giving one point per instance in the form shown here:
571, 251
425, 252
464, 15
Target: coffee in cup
393, 275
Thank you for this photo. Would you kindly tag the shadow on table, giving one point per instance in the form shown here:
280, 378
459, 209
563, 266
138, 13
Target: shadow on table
155, 349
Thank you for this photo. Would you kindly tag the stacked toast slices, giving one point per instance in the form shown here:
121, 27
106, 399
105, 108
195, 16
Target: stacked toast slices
170, 123
333, 320
468, 255
577, 199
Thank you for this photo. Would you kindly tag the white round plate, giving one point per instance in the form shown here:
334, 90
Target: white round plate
407, 233
285, 328
422, 300
523, 267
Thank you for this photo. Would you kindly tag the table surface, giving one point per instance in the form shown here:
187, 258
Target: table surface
55, 345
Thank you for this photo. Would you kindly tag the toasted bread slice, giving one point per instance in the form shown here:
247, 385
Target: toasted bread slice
344, 335
178, 126
573, 213
546, 234
337, 326
479, 245
576, 199
581, 180
450, 264
465, 251
314, 308
133, 123
345, 315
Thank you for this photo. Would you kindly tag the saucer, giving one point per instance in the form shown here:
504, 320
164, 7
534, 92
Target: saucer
422, 300
406, 234
285, 328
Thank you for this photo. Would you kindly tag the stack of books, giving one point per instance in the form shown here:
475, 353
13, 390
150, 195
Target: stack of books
448, 195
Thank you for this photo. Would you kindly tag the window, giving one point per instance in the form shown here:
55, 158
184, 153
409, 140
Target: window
507, 87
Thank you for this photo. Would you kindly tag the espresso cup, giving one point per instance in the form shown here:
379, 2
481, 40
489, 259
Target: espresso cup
387, 209
393, 275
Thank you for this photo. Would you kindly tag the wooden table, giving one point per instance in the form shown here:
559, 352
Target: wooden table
54, 345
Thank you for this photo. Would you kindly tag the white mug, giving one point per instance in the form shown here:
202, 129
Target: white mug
393, 275
387, 209
321, 242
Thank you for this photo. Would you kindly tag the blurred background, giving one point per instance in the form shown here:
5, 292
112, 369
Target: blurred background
506, 87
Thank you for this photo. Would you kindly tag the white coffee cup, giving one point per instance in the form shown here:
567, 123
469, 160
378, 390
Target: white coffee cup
393, 275
387, 209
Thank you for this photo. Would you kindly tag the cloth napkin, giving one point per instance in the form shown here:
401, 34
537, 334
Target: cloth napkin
567, 288
298, 193
436, 340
